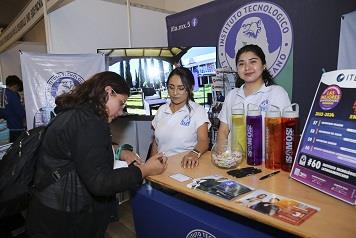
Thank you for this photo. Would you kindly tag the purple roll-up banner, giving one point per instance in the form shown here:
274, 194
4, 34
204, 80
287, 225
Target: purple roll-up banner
326, 156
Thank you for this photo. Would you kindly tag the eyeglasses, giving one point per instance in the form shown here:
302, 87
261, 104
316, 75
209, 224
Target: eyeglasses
180, 89
123, 102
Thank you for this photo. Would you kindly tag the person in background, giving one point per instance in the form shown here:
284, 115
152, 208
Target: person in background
181, 125
254, 85
78, 140
14, 111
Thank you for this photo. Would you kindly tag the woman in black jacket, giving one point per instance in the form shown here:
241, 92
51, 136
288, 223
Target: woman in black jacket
81, 202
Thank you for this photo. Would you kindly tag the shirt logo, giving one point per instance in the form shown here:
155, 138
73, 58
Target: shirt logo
264, 105
261, 23
185, 121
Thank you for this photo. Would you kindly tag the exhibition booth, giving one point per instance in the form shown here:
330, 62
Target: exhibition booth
316, 197
323, 185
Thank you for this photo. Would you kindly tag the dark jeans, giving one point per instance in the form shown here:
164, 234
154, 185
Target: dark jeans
43, 221
12, 226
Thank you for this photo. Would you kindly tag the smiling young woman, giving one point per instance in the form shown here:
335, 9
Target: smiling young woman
254, 85
187, 119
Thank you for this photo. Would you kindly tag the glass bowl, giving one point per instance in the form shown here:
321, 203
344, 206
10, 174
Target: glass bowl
224, 157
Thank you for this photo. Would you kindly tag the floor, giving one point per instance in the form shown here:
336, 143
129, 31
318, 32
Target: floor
124, 228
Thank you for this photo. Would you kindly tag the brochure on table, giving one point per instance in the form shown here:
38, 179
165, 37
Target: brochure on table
326, 156
276, 206
282, 208
219, 186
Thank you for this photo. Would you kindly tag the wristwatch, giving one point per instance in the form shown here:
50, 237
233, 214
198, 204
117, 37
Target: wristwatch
197, 152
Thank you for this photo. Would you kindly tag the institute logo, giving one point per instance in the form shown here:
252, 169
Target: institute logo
330, 97
261, 23
198, 233
340, 78
61, 82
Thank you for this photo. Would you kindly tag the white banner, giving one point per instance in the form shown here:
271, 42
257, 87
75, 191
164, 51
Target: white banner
347, 44
45, 76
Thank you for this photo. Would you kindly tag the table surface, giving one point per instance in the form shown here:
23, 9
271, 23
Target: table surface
335, 218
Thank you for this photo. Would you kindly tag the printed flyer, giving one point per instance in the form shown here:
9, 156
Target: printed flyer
326, 156
219, 186
279, 207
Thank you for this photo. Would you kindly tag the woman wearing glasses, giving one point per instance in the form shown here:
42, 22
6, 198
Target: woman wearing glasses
77, 146
181, 125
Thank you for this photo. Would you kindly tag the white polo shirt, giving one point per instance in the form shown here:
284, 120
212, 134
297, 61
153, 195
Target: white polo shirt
265, 96
177, 132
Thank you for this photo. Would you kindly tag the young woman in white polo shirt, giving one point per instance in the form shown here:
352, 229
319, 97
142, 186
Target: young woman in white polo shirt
181, 124
254, 85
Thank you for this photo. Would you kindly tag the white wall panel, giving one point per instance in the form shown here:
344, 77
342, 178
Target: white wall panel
10, 59
148, 28
83, 26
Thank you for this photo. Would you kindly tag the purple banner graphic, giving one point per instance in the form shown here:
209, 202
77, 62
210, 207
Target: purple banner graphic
326, 157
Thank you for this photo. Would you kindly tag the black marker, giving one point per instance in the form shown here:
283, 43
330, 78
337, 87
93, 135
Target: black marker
269, 175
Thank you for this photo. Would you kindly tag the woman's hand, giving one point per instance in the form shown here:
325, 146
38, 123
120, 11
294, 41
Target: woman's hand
190, 160
131, 157
153, 166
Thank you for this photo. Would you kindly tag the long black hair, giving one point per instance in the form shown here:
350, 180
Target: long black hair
187, 79
266, 76
92, 92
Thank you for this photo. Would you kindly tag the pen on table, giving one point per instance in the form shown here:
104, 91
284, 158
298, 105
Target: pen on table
269, 175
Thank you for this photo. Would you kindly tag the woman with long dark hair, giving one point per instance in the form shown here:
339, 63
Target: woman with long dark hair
181, 125
255, 85
81, 200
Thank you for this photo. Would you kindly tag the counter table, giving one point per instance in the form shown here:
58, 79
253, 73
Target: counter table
169, 208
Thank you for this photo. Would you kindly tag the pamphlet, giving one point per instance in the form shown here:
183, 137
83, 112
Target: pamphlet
279, 207
219, 186
180, 177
